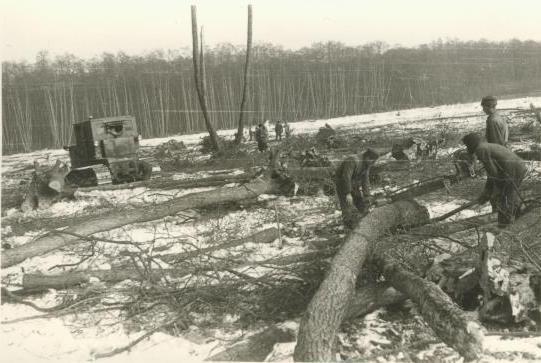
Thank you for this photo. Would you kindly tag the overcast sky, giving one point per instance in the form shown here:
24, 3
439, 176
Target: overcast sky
87, 28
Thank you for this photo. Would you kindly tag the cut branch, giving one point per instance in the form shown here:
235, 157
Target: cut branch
265, 236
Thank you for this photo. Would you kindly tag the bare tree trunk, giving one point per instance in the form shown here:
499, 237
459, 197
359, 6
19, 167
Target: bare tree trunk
240, 130
327, 309
199, 83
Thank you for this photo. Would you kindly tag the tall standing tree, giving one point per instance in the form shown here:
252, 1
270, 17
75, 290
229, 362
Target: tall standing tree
240, 130
199, 75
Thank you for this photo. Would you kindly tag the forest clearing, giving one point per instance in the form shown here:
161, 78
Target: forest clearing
313, 184
209, 260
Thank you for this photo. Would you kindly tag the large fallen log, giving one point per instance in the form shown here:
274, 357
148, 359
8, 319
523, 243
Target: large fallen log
14, 197
21, 227
170, 183
328, 307
438, 310
116, 219
36, 281
255, 348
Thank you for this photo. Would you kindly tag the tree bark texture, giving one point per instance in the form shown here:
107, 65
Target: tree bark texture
328, 307
438, 310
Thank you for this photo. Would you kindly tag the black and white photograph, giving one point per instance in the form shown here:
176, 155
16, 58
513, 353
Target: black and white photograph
270, 181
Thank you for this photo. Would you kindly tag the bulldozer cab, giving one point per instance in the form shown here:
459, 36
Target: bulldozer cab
103, 141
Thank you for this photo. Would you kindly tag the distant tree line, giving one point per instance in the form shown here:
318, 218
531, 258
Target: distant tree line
40, 101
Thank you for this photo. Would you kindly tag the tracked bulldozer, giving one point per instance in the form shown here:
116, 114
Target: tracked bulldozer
105, 151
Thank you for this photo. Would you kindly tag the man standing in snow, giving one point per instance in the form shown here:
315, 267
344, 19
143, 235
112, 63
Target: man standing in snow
278, 128
261, 136
496, 129
505, 172
353, 185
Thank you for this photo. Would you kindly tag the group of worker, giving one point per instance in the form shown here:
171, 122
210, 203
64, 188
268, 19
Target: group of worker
505, 172
261, 134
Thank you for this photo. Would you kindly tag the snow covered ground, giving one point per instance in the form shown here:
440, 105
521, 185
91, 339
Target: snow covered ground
76, 338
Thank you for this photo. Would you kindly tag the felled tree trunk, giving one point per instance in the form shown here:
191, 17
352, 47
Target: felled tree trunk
328, 307
69, 279
47, 185
439, 312
170, 183
256, 348
14, 197
116, 219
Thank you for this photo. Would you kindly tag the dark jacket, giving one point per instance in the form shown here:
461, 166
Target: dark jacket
501, 164
351, 174
263, 134
497, 131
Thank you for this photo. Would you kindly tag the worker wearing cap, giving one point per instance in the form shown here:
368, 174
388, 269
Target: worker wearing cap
496, 129
505, 172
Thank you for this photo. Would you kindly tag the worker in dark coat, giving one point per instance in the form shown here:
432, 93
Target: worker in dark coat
497, 131
287, 130
505, 172
353, 185
262, 137
278, 129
